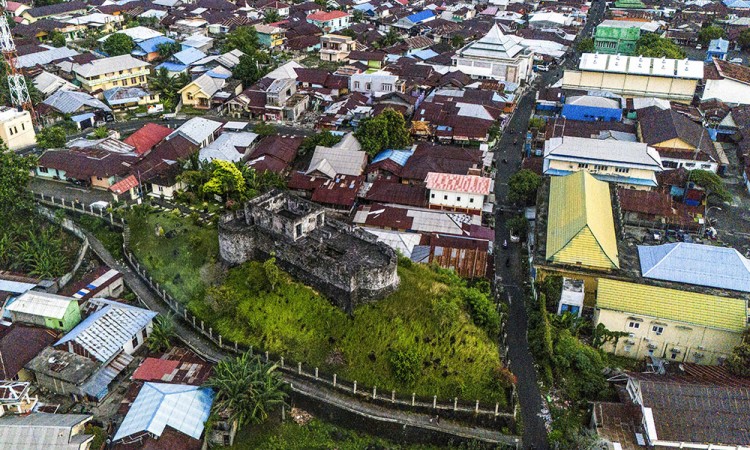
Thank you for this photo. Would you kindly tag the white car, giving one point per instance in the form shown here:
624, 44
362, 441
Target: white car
100, 205
736, 60
542, 68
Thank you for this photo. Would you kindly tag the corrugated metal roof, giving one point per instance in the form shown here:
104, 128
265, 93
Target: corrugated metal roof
43, 431
109, 65
398, 156
228, 147
470, 184
69, 102
189, 55
580, 226
41, 304
670, 304
196, 130
152, 45
106, 331
44, 57
606, 151
182, 407
702, 265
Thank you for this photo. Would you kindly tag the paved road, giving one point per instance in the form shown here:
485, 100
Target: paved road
512, 277
69, 191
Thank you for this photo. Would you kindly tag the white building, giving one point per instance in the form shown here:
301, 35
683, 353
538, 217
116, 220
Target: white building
198, 130
631, 164
16, 128
496, 56
727, 82
571, 299
375, 83
457, 192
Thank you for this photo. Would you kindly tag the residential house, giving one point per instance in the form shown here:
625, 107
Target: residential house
415, 20
107, 73
48, 83
283, 103
636, 76
592, 108
86, 360
82, 108
43, 56
617, 37
198, 131
19, 344
373, 60
205, 92
453, 192
270, 36
182, 60
275, 154
233, 147
46, 310
120, 98
98, 163
148, 49
727, 82
458, 115
335, 47
145, 138
375, 83
630, 164
102, 283
43, 430
331, 21
495, 56
161, 168
56, 11
679, 141
718, 49
16, 128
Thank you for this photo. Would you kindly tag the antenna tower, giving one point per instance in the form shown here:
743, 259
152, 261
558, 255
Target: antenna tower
19, 92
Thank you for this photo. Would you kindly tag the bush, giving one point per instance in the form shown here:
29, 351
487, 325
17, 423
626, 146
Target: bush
405, 365
483, 311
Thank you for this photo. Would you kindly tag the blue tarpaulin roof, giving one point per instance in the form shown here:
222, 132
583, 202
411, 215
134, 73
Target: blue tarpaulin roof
398, 156
698, 264
150, 45
420, 16
81, 117
172, 67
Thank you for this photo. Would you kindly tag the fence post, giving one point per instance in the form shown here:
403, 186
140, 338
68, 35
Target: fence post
334, 380
476, 408
413, 397
355, 386
497, 407
299, 368
202, 326
220, 345
455, 403
374, 392
211, 332
266, 355
434, 401
316, 373
393, 396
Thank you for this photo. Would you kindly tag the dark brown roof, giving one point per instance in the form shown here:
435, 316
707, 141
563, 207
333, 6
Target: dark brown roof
312, 76
19, 344
661, 125
734, 71
85, 163
440, 158
383, 191
58, 8
359, 55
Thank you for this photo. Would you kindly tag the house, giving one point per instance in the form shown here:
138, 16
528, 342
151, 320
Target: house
270, 36
617, 37
592, 108
161, 409
205, 91
275, 154
45, 55
452, 192
120, 98
107, 73
59, 10
47, 310
283, 103
375, 83
148, 49
727, 82
84, 109
675, 324
19, 344
98, 163
335, 47
43, 430
16, 128
631, 164
468, 257
198, 131
420, 220
636, 76
231, 147
416, 19
571, 297
495, 56
330, 22
659, 408
718, 49
161, 168
101, 283
48, 83
373, 60
146, 137
86, 360
679, 141
344, 158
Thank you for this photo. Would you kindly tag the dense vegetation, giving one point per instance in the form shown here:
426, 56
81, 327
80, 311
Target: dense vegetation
434, 336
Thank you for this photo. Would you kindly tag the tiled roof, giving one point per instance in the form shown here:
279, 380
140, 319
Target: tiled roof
147, 137
470, 184
326, 16
124, 185
19, 344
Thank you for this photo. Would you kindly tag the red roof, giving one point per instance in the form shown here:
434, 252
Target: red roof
147, 137
321, 16
470, 184
124, 185
153, 369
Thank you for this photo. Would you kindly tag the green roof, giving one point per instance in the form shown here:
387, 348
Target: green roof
580, 225
632, 4
670, 304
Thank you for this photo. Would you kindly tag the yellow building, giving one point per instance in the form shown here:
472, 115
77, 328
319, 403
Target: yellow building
668, 323
199, 92
107, 73
16, 128
580, 225
636, 76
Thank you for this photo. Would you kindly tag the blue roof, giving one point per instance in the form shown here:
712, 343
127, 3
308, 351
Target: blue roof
149, 45
82, 117
158, 405
364, 7
398, 156
189, 55
222, 76
698, 264
420, 16
605, 177
736, 3
172, 67
425, 54
718, 45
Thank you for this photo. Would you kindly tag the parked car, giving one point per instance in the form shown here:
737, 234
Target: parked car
736, 60
100, 205
542, 68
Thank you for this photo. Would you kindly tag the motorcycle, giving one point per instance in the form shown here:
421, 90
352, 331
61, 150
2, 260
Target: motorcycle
505, 243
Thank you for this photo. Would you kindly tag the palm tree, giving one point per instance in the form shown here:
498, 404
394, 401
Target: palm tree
246, 388
162, 334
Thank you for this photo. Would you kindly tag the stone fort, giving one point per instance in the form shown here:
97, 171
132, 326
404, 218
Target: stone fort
344, 263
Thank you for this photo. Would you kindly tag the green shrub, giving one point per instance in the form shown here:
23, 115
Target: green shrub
406, 365
482, 311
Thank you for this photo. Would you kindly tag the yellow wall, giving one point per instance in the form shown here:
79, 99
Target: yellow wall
631, 85
583, 250
687, 337
675, 143
632, 173
131, 77
192, 95
104, 183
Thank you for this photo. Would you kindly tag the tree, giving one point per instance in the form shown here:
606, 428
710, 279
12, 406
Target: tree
743, 40
162, 334
522, 187
248, 70
585, 45
166, 85
226, 181
457, 41
272, 272
271, 16
709, 33
101, 133
712, 183
246, 388
57, 39
243, 38
264, 129
15, 199
167, 49
389, 39
654, 46
51, 137
387, 130
118, 44
482, 311
38, 3
518, 225
324, 138
358, 16
739, 361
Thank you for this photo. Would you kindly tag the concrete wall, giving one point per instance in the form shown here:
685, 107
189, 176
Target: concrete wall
452, 199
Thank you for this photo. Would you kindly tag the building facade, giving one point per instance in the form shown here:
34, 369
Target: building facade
495, 57
107, 73
335, 47
466, 193
16, 128
613, 37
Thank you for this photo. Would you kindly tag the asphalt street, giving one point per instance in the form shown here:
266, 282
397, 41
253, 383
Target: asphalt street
511, 277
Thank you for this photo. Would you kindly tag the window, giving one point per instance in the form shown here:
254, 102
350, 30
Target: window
599, 167
356, 85
471, 200
368, 86
635, 325
458, 199
432, 195
622, 170
43, 170
387, 87
689, 164
705, 166
657, 329
60, 322
23, 126
143, 334
99, 178
583, 166
445, 197
134, 342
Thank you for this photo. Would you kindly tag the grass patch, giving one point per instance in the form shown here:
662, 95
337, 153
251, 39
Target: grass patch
427, 320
